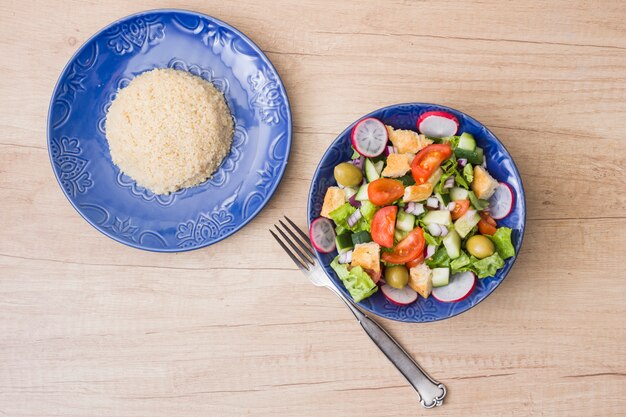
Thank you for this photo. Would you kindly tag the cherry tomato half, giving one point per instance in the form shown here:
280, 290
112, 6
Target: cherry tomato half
428, 160
383, 223
384, 191
486, 225
460, 207
408, 249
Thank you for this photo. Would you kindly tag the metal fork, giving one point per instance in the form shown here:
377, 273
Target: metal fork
297, 245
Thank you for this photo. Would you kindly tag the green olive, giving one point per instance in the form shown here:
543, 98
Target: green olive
396, 276
480, 246
348, 175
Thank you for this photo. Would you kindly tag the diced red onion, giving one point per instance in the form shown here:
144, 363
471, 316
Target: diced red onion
354, 202
434, 229
345, 258
359, 162
449, 183
444, 230
461, 162
442, 206
390, 149
355, 217
414, 208
432, 202
430, 250
451, 205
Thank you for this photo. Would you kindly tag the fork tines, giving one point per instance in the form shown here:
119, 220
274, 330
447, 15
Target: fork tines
296, 245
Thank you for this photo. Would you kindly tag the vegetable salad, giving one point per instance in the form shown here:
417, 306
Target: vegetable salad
414, 215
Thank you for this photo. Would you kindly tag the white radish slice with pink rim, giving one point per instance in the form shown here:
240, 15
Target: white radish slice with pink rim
369, 137
399, 296
322, 234
459, 288
501, 202
437, 124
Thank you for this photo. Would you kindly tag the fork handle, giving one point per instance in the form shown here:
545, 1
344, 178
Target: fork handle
430, 391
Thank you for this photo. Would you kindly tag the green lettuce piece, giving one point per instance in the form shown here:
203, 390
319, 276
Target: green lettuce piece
439, 186
461, 181
488, 266
476, 202
368, 209
440, 259
355, 154
468, 173
460, 264
502, 241
357, 282
340, 230
340, 216
431, 240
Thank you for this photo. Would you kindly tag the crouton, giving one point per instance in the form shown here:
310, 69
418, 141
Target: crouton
407, 141
367, 256
418, 192
335, 197
421, 279
398, 164
483, 185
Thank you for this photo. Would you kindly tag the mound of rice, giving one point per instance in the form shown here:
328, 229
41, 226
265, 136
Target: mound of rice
168, 130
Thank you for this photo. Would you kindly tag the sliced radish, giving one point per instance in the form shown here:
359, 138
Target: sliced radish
459, 288
322, 234
501, 202
437, 124
399, 296
369, 137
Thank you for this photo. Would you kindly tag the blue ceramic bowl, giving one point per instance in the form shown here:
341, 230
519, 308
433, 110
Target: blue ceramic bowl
190, 218
500, 165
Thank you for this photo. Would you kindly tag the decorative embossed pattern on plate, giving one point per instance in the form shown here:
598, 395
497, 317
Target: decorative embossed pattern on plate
112, 202
66, 154
500, 165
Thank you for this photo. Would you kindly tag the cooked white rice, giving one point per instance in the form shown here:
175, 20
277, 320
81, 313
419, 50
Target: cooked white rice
168, 130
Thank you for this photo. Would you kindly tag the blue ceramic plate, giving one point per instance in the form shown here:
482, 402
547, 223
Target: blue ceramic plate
500, 165
189, 218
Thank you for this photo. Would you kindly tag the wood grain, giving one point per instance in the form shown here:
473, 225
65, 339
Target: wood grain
89, 327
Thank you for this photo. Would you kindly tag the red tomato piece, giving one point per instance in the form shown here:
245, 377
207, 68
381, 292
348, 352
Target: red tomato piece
428, 160
460, 207
408, 249
383, 223
384, 191
486, 225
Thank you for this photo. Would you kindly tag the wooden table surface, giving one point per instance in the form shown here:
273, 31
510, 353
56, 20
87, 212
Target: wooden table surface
89, 327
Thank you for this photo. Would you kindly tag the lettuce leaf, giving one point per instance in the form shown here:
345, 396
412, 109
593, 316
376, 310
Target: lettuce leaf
356, 280
468, 173
487, 267
440, 259
476, 202
430, 240
340, 216
502, 241
461, 263
439, 186
368, 210
461, 181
